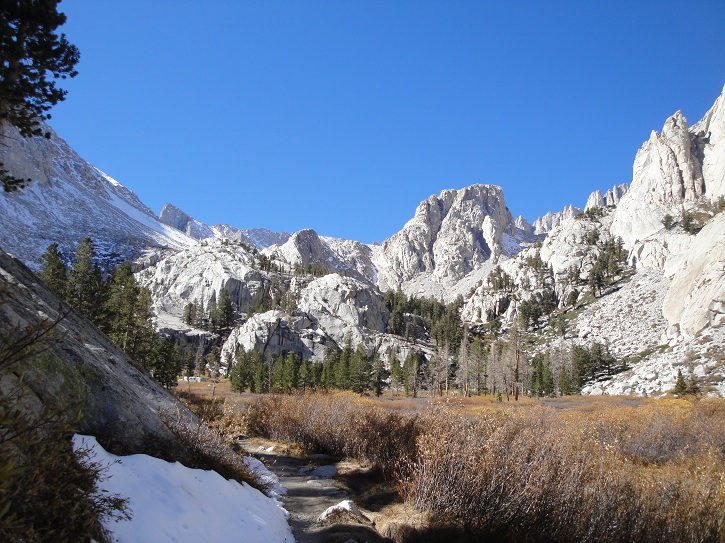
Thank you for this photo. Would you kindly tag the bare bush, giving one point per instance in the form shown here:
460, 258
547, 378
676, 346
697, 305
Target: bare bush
210, 450
655, 471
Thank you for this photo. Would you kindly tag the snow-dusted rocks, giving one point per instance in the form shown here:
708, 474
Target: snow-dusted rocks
550, 220
347, 510
696, 297
68, 200
610, 198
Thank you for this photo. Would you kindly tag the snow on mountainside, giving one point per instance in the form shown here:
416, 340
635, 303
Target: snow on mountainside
70, 199
259, 238
448, 248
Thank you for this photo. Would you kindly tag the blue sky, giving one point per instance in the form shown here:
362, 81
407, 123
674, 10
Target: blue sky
342, 116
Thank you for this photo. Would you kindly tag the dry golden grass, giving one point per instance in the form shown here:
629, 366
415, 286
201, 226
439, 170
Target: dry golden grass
609, 469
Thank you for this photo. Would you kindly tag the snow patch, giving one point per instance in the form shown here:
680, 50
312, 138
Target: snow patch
173, 503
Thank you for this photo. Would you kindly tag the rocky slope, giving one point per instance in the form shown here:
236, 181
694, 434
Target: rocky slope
80, 372
259, 238
668, 300
70, 199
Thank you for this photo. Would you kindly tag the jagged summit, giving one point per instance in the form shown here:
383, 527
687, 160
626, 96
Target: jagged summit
548, 222
259, 238
176, 218
609, 198
451, 235
320, 289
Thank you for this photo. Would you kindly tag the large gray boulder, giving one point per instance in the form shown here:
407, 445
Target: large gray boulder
79, 372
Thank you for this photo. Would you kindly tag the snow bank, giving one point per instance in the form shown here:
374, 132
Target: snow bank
173, 503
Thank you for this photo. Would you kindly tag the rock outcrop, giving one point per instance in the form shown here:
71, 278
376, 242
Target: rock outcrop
610, 198
710, 134
80, 372
176, 218
305, 249
200, 273
548, 222
331, 310
667, 179
450, 236
696, 297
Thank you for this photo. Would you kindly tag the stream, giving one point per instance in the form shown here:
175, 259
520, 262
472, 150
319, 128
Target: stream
310, 493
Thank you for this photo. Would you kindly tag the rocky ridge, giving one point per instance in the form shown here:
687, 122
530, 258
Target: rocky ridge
70, 199
259, 238
449, 248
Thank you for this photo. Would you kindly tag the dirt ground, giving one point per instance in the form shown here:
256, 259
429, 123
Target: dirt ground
222, 390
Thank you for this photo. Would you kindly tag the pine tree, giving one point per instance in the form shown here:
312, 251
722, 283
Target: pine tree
379, 375
165, 362
224, 311
360, 370
53, 271
342, 370
478, 363
681, 385
239, 372
307, 375
290, 372
189, 316
396, 372
329, 367
85, 289
33, 57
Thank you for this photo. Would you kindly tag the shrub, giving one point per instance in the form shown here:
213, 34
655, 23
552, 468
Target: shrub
48, 492
211, 450
614, 474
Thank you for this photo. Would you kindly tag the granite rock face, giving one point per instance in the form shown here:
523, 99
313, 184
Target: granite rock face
609, 198
331, 310
550, 220
709, 134
695, 299
667, 178
80, 371
450, 236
